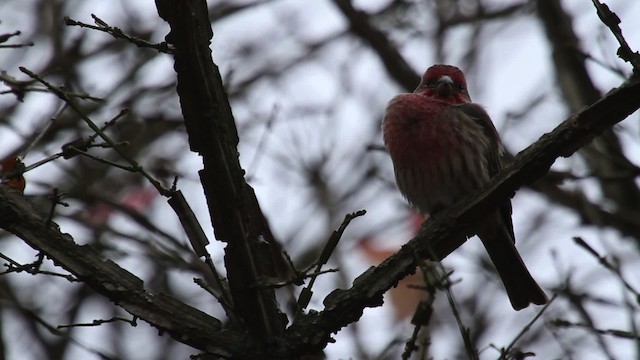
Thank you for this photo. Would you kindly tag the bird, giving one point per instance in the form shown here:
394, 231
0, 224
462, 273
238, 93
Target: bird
444, 147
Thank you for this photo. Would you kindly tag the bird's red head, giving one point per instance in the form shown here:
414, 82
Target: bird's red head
444, 82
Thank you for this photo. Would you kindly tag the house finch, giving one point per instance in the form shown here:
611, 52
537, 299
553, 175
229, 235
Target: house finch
444, 147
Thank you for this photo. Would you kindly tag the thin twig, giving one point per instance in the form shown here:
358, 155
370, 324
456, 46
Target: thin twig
110, 123
259, 152
433, 281
604, 262
472, 352
16, 45
105, 161
59, 333
134, 165
133, 322
32, 268
505, 351
221, 297
612, 332
38, 137
5, 37
117, 33
410, 345
19, 88
612, 21
306, 293
56, 198
299, 279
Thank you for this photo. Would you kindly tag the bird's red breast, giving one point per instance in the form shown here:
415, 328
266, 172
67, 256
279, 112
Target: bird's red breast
437, 150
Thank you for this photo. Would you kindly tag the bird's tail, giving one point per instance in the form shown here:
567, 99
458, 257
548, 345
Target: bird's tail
521, 288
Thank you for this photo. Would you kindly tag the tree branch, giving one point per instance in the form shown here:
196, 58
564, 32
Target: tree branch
395, 64
233, 206
604, 156
181, 321
439, 237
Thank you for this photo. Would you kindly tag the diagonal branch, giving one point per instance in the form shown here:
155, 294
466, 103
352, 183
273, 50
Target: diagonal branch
182, 322
396, 65
605, 156
436, 237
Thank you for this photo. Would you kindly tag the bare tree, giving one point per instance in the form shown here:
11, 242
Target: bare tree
100, 108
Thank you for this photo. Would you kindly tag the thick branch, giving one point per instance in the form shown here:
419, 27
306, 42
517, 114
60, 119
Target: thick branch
233, 206
435, 239
182, 322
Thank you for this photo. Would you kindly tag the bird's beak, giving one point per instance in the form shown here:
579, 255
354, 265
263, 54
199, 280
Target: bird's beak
444, 86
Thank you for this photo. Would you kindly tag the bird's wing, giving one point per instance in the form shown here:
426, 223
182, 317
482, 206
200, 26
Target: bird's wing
494, 154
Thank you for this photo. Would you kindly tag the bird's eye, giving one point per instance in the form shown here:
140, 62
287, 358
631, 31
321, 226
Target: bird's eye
459, 86
430, 83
